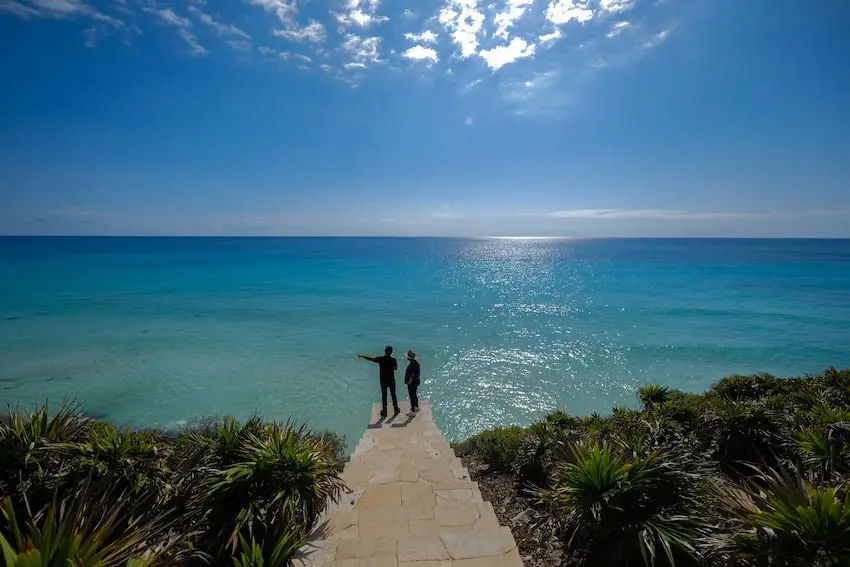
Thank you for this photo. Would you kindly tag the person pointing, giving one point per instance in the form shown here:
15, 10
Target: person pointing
387, 366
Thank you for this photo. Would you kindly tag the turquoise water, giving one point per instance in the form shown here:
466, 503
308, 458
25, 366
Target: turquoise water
159, 331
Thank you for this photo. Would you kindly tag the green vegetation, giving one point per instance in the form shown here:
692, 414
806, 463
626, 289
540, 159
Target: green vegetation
753, 473
74, 491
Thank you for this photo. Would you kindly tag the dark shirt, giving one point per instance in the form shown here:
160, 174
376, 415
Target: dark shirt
388, 365
411, 374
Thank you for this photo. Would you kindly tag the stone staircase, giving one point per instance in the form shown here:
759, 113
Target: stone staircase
411, 504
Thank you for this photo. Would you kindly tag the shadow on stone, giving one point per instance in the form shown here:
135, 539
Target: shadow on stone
406, 422
378, 424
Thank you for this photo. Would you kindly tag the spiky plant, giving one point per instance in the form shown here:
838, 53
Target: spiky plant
777, 518
221, 441
134, 459
618, 511
745, 433
821, 453
274, 551
283, 480
653, 395
26, 434
92, 525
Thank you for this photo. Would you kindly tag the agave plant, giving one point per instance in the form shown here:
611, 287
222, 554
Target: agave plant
222, 441
749, 388
92, 525
822, 452
132, 458
653, 395
779, 519
282, 482
277, 554
622, 512
745, 432
544, 445
25, 435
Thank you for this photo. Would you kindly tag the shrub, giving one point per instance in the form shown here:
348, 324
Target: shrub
620, 511
653, 395
778, 519
94, 525
498, 448
81, 492
745, 432
749, 388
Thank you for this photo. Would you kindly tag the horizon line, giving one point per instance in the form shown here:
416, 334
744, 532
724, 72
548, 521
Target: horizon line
420, 237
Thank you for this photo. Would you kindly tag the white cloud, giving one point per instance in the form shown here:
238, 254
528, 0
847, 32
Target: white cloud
468, 121
549, 37
314, 32
91, 37
468, 86
220, 29
57, 9
421, 53
285, 10
240, 45
362, 13
18, 9
463, 19
617, 29
656, 39
168, 16
425, 37
362, 50
565, 11
505, 20
616, 6
655, 214
194, 47
410, 14
502, 55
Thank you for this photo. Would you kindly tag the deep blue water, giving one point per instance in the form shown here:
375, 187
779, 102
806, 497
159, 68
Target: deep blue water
158, 331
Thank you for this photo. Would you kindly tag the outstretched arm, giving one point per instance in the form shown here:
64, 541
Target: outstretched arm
369, 358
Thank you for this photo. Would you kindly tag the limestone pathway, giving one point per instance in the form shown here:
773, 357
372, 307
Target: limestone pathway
411, 505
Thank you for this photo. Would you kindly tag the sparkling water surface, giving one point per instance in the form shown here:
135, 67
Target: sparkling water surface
160, 331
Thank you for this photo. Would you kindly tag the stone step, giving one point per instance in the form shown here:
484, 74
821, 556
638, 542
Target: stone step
411, 520
429, 451
458, 548
364, 476
410, 503
376, 462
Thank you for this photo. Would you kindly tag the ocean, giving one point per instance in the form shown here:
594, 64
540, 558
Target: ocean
157, 332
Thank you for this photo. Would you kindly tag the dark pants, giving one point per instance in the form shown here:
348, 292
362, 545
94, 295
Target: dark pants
414, 398
391, 387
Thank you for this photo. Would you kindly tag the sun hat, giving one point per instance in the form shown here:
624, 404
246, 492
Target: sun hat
411, 354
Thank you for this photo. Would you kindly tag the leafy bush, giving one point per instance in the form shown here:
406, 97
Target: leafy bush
778, 518
622, 511
498, 448
681, 479
653, 395
76, 491
749, 388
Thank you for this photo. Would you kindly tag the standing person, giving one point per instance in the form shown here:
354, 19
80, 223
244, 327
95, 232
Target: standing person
387, 366
411, 378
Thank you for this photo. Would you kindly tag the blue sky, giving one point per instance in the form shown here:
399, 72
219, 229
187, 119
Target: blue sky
453, 117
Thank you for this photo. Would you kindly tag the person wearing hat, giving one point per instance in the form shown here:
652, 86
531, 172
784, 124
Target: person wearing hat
411, 378
387, 365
